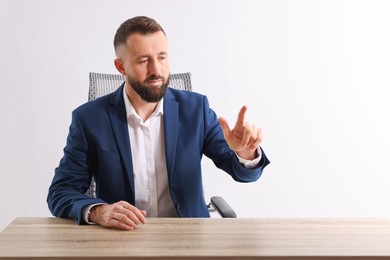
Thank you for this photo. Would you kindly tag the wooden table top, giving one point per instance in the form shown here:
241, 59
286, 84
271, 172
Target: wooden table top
175, 238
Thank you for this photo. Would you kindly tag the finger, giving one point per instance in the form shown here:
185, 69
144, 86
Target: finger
132, 215
259, 137
241, 117
112, 218
249, 134
257, 141
120, 219
225, 127
137, 213
118, 224
246, 135
126, 213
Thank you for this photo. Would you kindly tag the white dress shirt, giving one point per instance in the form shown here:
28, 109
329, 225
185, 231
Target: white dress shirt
149, 164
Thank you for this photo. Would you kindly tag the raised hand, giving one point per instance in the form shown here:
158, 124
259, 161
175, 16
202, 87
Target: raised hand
244, 138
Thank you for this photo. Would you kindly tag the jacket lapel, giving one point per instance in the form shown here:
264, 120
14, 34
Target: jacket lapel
117, 113
171, 124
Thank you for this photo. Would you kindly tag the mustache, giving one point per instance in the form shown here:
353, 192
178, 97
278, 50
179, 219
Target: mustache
155, 77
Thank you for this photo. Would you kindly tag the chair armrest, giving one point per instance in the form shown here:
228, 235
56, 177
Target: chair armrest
222, 207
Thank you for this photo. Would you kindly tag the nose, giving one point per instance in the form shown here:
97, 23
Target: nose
154, 67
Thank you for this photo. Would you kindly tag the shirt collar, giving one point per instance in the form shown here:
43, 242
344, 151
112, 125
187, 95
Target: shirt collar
130, 111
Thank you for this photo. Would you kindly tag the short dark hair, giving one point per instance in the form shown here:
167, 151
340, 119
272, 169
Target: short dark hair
139, 24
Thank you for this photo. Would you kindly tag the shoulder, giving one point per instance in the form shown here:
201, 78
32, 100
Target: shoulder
101, 103
190, 105
91, 107
185, 96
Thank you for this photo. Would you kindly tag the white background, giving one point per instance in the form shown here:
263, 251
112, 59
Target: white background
314, 74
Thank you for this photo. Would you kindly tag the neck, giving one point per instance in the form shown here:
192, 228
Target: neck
142, 108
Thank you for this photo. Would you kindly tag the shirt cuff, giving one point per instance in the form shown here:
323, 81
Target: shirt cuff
250, 163
87, 211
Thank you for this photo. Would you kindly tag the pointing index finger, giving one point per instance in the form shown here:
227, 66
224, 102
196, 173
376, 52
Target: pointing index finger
241, 116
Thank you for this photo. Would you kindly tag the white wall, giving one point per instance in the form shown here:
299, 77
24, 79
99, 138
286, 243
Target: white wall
314, 74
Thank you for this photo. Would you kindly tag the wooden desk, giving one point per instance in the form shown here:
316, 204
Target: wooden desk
50, 238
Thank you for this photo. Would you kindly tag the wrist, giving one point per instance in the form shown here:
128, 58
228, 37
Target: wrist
94, 213
248, 155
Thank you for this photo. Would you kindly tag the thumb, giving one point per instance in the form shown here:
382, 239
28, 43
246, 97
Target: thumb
225, 127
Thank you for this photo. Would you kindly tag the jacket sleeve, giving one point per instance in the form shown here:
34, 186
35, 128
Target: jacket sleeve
72, 177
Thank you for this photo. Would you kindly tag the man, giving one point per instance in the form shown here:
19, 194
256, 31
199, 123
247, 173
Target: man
143, 143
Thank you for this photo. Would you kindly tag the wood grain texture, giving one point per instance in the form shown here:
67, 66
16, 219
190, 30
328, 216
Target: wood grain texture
163, 238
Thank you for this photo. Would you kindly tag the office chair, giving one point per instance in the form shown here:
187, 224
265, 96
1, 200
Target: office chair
101, 84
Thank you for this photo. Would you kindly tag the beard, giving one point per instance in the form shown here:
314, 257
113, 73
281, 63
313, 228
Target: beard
149, 94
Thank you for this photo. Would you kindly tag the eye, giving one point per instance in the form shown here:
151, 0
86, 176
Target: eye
143, 60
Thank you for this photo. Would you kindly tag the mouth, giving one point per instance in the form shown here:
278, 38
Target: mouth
154, 83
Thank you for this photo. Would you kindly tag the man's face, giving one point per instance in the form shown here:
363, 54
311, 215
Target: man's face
145, 65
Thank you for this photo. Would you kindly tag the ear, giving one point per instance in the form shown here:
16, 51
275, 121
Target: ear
119, 66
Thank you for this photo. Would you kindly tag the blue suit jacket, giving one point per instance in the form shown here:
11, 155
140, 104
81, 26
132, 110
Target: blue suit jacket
98, 145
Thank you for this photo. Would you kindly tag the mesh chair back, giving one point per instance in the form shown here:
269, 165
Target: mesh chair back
101, 84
